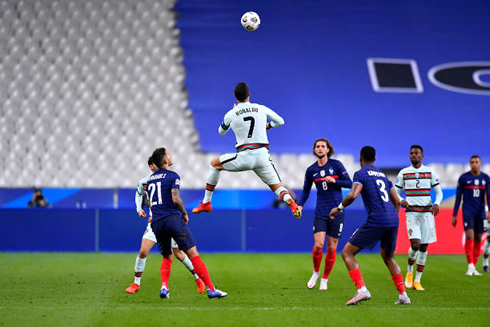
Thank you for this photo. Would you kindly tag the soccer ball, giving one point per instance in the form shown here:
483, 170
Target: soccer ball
250, 21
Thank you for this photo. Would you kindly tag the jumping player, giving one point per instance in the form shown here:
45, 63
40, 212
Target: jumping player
249, 123
472, 186
170, 221
329, 176
382, 204
149, 240
421, 227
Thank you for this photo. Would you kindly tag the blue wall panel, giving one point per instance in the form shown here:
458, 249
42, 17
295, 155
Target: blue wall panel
270, 230
47, 230
218, 231
120, 230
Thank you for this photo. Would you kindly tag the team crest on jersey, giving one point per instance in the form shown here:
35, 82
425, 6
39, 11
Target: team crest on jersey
417, 175
322, 173
330, 170
483, 182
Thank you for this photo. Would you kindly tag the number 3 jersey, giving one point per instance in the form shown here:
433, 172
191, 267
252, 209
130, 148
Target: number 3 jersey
248, 121
473, 189
376, 196
329, 195
417, 183
159, 188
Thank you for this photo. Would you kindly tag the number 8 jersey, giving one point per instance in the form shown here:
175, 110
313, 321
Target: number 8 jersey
417, 183
248, 121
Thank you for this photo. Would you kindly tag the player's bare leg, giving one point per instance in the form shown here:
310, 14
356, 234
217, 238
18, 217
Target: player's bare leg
412, 256
139, 266
396, 276
317, 255
179, 254
203, 273
348, 254
211, 181
284, 195
329, 261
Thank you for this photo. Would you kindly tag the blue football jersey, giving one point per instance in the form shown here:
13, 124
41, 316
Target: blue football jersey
472, 189
159, 188
329, 195
376, 196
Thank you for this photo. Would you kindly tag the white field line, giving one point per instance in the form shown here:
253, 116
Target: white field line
411, 308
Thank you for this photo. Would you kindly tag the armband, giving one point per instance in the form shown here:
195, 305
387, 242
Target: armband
486, 208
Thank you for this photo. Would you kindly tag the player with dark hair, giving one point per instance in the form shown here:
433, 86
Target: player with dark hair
472, 186
170, 221
149, 240
249, 123
382, 204
329, 176
418, 180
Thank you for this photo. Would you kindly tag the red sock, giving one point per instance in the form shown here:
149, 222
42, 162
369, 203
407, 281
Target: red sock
165, 271
317, 259
468, 249
202, 271
398, 280
476, 251
329, 262
355, 275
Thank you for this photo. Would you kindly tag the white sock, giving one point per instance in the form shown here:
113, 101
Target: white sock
139, 267
363, 289
421, 258
187, 263
213, 179
485, 261
285, 196
412, 254
486, 248
471, 266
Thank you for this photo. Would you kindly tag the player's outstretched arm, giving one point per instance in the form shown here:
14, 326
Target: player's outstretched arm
349, 198
395, 199
179, 204
276, 120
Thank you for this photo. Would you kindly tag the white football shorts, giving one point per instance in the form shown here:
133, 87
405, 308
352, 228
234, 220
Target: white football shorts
257, 160
422, 226
149, 235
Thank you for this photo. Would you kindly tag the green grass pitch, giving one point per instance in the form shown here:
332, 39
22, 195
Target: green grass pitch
87, 289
